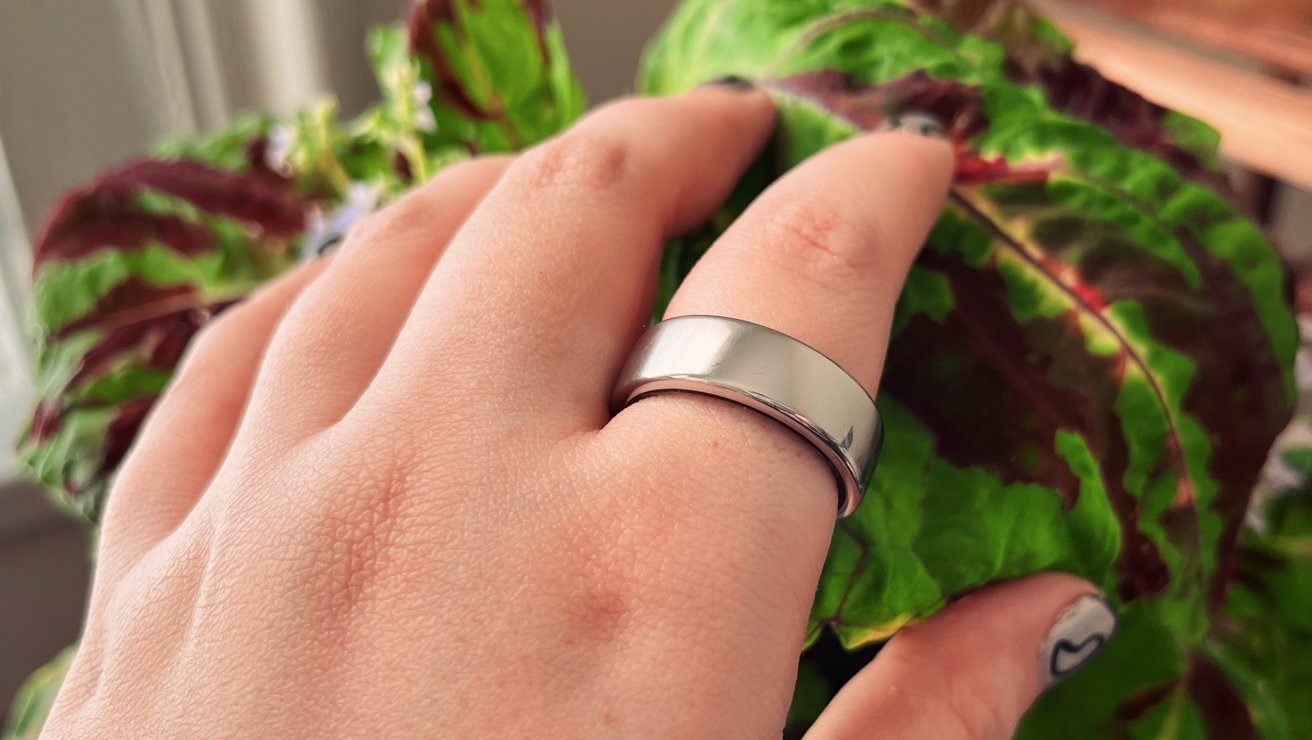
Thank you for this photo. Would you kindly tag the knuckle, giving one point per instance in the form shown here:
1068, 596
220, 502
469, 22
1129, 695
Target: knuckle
353, 538
603, 559
193, 377
412, 213
618, 113
821, 240
598, 598
220, 324
197, 368
374, 228
574, 161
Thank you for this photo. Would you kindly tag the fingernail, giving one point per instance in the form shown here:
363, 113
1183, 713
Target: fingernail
733, 82
1082, 630
329, 245
922, 124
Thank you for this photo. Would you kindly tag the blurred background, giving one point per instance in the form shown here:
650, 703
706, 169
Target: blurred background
86, 84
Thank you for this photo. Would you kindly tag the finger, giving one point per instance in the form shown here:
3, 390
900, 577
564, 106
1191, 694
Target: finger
974, 669
335, 337
189, 431
820, 256
551, 280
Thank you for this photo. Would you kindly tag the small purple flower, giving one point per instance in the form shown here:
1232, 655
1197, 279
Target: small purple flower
421, 95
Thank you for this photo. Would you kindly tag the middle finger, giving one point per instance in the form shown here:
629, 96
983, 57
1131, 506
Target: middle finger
550, 281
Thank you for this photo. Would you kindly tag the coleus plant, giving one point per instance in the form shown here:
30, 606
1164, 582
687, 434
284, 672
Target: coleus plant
129, 266
1090, 362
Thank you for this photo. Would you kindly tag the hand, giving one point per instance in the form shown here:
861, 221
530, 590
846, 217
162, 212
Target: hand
385, 497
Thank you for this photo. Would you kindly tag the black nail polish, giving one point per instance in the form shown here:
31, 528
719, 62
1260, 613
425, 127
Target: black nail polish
733, 82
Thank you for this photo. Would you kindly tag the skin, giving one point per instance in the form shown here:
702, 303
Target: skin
385, 497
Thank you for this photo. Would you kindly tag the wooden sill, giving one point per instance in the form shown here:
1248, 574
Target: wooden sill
1284, 49
1265, 122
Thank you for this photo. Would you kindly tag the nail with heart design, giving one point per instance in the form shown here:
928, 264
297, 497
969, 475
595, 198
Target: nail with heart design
1082, 630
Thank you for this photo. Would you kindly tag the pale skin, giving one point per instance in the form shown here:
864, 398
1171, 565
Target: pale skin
385, 497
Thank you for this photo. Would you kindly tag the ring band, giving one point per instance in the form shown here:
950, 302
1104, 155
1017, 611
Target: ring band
769, 372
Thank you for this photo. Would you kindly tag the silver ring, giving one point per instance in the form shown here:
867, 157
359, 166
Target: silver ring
769, 372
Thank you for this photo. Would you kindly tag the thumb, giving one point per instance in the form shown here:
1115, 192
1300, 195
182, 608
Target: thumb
973, 669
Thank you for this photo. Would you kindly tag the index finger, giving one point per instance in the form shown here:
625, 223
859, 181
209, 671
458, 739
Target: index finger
821, 257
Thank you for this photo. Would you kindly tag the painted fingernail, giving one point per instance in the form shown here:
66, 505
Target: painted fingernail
329, 245
922, 124
1082, 630
733, 82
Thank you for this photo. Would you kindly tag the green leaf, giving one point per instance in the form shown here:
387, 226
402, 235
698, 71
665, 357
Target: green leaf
1090, 360
129, 267
1300, 459
810, 698
496, 72
1263, 639
32, 703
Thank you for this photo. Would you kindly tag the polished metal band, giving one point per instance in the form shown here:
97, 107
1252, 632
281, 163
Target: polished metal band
767, 371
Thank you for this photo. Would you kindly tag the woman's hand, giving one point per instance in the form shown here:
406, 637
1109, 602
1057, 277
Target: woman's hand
384, 497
